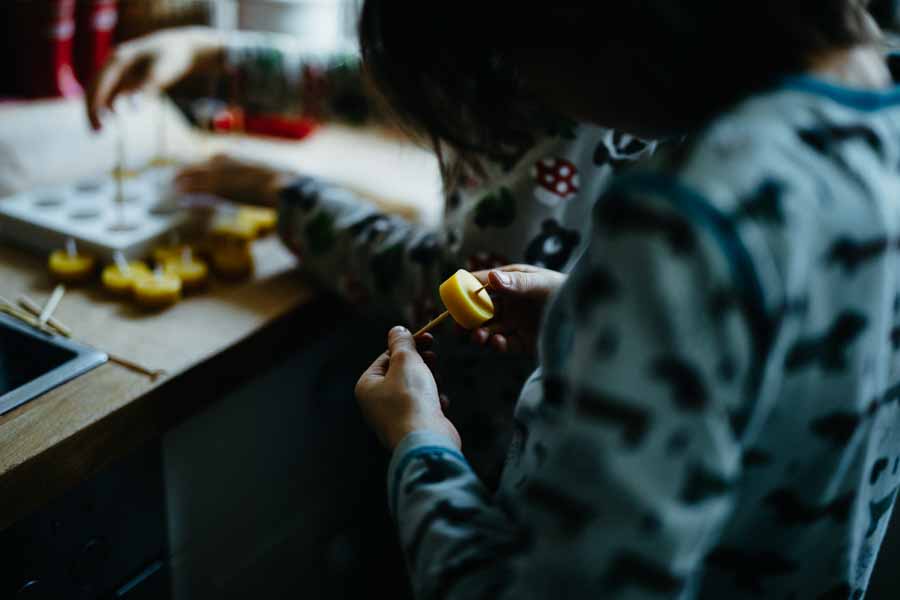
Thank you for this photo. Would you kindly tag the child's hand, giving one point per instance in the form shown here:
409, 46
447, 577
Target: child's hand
520, 293
152, 63
398, 394
233, 179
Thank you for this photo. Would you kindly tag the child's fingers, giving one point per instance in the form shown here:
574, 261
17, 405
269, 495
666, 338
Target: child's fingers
482, 276
373, 376
480, 336
499, 342
424, 341
191, 183
430, 359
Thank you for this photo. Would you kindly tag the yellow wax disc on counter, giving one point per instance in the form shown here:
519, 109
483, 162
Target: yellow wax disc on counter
120, 282
163, 254
233, 260
468, 308
193, 272
71, 267
122, 174
235, 229
157, 290
262, 220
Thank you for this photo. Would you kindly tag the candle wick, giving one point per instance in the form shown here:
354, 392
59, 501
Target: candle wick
123, 265
71, 248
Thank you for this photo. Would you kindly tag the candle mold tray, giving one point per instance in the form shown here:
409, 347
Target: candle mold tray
42, 219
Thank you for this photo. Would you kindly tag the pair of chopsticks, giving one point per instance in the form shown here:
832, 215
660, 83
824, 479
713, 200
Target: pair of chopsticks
42, 318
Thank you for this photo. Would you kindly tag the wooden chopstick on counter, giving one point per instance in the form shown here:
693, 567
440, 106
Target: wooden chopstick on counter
133, 366
55, 298
34, 310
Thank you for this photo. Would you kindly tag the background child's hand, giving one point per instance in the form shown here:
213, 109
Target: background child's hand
520, 293
152, 63
398, 394
233, 179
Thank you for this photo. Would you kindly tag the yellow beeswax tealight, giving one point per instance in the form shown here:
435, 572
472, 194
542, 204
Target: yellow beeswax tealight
235, 229
157, 290
121, 282
71, 267
467, 308
121, 173
262, 220
233, 260
192, 271
164, 254
161, 161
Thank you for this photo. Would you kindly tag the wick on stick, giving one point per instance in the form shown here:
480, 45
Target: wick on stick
441, 317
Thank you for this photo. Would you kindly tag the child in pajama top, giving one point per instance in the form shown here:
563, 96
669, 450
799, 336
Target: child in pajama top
530, 207
716, 410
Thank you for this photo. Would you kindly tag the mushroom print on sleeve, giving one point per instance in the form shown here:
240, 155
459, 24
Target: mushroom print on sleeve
716, 410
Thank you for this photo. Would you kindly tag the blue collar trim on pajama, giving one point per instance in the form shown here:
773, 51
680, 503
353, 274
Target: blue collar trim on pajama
866, 100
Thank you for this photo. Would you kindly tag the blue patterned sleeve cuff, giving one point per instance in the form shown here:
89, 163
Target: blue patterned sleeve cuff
411, 447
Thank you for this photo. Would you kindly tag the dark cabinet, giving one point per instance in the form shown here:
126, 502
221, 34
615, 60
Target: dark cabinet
104, 539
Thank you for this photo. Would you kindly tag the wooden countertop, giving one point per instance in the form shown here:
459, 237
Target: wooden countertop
205, 344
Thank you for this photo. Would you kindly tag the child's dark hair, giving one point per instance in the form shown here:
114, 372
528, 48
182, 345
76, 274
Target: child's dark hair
447, 72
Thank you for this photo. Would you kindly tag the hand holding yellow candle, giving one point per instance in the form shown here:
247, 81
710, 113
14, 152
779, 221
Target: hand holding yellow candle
69, 265
119, 277
157, 290
467, 301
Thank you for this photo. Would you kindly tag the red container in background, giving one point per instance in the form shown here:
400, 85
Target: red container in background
44, 35
94, 37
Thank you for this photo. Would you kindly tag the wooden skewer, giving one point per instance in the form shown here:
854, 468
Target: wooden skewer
7, 308
432, 323
441, 317
34, 309
58, 292
133, 366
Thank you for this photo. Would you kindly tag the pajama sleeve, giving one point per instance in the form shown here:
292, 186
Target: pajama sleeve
632, 452
348, 247
276, 74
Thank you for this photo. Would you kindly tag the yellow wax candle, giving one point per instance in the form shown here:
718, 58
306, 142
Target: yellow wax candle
234, 229
122, 173
164, 254
262, 220
232, 259
468, 308
192, 271
161, 161
157, 290
120, 281
71, 266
